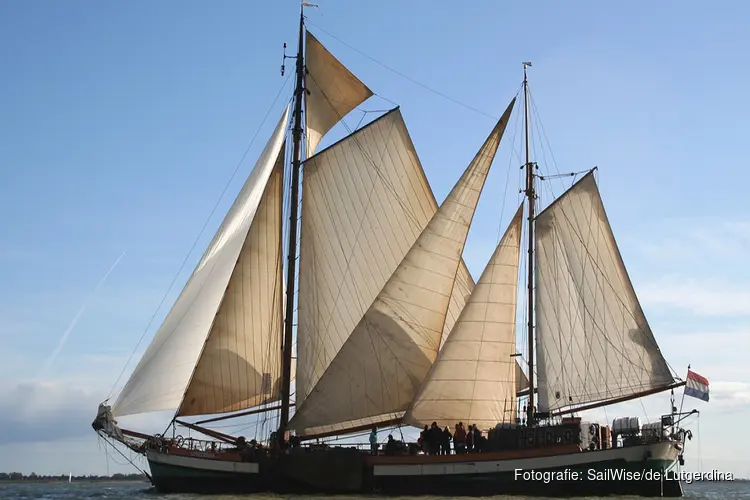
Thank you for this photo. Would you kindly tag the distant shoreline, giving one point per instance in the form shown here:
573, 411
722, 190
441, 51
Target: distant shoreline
38, 481
18, 478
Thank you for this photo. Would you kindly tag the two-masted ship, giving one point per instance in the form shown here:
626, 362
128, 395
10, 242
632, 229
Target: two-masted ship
392, 330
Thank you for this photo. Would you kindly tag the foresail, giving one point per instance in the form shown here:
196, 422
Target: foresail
365, 201
240, 366
384, 361
161, 378
593, 340
473, 379
332, 91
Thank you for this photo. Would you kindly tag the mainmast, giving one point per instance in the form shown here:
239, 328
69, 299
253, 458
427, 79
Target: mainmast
530, 194
286, 373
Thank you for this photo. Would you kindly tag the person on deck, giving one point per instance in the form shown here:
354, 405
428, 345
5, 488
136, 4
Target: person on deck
478, 439
459, 439
445, 442
374, 441
436, 435
423, 440
390, 446
470, 439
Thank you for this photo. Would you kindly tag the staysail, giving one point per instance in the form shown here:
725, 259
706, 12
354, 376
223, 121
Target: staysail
473, 379
217, 349
331, 92
593, 340
365, 201
384, 361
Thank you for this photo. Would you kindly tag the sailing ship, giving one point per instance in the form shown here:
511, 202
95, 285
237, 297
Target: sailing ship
392, 330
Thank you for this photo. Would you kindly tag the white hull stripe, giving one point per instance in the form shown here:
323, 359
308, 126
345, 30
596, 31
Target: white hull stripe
660, 451
203, 463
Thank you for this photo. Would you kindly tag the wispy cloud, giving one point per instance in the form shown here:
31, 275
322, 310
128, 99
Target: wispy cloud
695, 241
693, 266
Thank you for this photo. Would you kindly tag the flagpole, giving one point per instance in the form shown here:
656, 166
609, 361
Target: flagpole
683, 394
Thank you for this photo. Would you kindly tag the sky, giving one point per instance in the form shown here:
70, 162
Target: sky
121, 124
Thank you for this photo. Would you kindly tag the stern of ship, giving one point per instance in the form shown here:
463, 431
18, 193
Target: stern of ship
550, 472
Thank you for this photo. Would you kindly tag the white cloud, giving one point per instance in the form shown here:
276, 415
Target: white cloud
698, 298
731, 394
43, 411
715, 348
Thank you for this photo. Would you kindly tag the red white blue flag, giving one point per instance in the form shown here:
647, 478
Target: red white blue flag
696, 386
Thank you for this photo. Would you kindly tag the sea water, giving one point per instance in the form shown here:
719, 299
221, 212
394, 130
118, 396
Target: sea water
737, 490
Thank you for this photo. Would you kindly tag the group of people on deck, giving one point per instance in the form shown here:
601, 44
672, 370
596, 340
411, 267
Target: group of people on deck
434, 441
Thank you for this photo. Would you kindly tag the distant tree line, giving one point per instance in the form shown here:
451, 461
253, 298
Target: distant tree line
17, 476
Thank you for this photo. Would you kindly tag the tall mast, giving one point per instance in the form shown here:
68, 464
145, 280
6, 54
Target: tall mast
530, 194
286, 373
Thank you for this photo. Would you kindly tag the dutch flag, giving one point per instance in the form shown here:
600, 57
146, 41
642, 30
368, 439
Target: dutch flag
696, 386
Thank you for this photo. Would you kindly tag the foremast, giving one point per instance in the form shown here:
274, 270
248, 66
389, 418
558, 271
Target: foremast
286, 366
530, 195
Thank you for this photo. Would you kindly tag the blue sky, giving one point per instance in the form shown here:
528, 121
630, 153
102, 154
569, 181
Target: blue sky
122, 123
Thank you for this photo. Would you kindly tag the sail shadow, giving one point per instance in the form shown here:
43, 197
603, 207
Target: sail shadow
226, 381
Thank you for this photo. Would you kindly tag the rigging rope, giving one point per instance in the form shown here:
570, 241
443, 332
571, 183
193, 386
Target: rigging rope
195, 243
106, 442
412, 80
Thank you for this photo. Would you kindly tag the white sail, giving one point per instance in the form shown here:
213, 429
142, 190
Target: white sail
365, 201
522, 381
473, 379
332, 91
384, 361
593, 340
240, 366
161, 378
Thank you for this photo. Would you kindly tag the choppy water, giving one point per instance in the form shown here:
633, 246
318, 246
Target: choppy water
143, 491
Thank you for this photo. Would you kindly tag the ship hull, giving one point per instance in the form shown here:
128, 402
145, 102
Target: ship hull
599, 473
171, 473
637, 470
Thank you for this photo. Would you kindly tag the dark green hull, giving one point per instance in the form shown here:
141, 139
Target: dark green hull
638, 470
616, 477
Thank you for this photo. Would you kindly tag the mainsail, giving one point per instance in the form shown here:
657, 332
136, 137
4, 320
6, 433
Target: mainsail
473, 378
384, 361
365, 201
218, 348
593, 340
